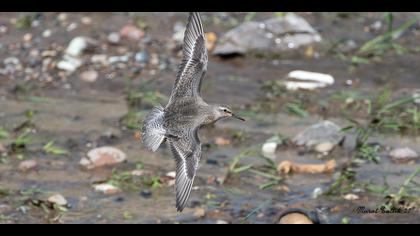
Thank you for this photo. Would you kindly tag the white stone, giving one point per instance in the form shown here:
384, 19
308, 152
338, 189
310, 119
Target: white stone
77, 46
58, 199
107, 189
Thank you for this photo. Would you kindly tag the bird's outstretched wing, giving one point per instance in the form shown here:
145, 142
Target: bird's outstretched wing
187, 153
194, 62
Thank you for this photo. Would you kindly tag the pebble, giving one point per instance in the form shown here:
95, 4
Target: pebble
89, 76
107, 189
116, 59
99, 59
308, 80
270, 146
86, 20
57, 199
171, 174
211, 39
317, 192
221, 222
76, 46
103, 156
199, 212
114, 38
222, 141
46, 33
403, 155
131, 32
142, 57
295, 218
351, 197
146, 193
67, 66
27, 38
323, 132
27, 165
324, 148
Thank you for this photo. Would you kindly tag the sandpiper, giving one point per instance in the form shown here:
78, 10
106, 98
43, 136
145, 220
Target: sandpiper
186, 112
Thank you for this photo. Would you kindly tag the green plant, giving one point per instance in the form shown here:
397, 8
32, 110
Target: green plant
21, 141
386, 41
249, 16
408, 192
3, 133
296, 108
50, 148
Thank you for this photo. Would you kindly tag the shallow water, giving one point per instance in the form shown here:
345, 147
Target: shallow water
88, 115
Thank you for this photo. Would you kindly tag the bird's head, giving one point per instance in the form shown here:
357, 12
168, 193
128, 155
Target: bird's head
224, 112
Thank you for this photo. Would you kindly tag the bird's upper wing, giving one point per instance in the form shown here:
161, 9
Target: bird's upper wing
187, 153
194, 62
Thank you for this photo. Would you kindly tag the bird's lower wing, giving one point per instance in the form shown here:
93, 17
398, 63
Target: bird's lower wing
187, 154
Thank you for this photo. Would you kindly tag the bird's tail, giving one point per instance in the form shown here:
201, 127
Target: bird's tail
153, 132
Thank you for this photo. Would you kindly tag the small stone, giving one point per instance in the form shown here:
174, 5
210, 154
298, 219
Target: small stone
103, 156
107, 189
116, 59
137, 173
99, 59
306, 80
27, 38
142, 57
49, 53
269, 148
67, 66
89, 76
62, 17
46, 33
324, 148
76, 46
131, 32
295, 218
351, 197
324, 132
211, 39
222, 141
114, 38
221, 222
57, 199
199, 212
27, 165
171, 174
317, 192
86, 20
403, 155
72, 27
146, 193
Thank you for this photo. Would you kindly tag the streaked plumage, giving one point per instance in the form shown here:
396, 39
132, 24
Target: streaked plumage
186, 112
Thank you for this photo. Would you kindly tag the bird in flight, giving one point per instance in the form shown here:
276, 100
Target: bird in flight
186, 112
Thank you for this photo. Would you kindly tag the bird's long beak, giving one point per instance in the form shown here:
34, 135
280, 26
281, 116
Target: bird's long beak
238, 117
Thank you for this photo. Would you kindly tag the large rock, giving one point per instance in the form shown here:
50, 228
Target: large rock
323, 136
103, 156
273, 35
